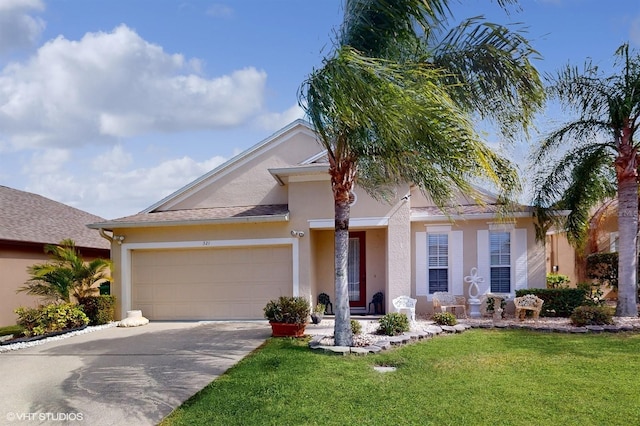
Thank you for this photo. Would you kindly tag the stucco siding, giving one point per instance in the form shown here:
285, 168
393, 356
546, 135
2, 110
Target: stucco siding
249, 182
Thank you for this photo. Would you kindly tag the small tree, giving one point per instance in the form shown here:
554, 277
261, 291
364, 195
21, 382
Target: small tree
67, 274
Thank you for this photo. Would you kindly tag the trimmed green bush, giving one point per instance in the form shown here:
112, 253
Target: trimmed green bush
444, 318
558, 302
591, 315
393, 323
603, 267
356, 327
11, 330
99, 309
50, 318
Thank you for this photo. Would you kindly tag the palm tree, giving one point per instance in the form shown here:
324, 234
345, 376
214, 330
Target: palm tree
67, 274
393, 104
598, 158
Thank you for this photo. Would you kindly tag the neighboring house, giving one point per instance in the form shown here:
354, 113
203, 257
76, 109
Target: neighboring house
261, 226
27, 223
602, 237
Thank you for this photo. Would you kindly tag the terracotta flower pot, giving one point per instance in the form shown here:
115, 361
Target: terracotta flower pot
279, 329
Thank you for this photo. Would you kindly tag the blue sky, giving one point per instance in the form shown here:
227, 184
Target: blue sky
111, 105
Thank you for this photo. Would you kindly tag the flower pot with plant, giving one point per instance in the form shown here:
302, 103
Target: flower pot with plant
318, 313
288, 316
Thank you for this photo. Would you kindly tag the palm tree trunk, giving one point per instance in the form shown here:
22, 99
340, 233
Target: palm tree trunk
342, 329
626, 171
342, 180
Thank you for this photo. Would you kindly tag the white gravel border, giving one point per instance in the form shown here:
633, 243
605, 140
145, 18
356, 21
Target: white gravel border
22, 345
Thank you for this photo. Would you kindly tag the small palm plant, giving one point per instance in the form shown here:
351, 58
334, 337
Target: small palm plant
67, 274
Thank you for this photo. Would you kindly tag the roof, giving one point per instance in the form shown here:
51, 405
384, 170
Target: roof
469, 211
32, 218
216, 215
229, 164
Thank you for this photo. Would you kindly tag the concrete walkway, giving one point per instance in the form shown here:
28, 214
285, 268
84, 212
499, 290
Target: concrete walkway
119, 376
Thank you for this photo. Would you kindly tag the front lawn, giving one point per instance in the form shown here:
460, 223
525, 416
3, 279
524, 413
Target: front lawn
514, 377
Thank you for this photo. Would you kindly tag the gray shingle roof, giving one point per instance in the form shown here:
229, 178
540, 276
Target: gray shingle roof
468, 210
257, 213
28, 217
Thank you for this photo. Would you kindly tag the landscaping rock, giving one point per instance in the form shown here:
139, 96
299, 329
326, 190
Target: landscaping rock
383, 344
459, 328
595, 328
337, 349
448, 328
433, 329
373, 349
578, 330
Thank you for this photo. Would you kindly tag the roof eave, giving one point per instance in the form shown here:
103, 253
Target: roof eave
421, 217
109, 226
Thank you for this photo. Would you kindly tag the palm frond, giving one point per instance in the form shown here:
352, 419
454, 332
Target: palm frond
491, 72
580, 180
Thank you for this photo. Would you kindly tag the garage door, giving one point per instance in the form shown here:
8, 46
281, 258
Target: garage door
208, 284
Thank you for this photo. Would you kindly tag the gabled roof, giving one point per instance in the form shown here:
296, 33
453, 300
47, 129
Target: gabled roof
31, 218
239, 159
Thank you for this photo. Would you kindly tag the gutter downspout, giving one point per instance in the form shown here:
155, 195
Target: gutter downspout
105, 236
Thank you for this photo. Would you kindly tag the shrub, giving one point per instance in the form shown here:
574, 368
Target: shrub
393, 323
99, 309
558, 302
557, 281
356, 327
593, 294
591, 315
288, 310
491, 301
50, 318
603, 267
11, 330
444, 318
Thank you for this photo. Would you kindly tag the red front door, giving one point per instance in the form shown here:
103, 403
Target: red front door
356, 270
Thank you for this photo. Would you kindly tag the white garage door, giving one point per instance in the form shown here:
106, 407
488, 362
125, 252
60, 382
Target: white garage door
208, 284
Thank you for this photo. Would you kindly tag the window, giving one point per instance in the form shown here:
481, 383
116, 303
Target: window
500, 254
438, 262
614, 241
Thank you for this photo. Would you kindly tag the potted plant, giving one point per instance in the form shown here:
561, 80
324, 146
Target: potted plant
288, 316
318, 313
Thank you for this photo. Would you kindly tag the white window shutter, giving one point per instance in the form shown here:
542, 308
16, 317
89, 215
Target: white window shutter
484, 268
456, 263
519, 256
421, 263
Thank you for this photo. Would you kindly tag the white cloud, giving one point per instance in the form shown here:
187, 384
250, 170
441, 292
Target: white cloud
112, 85
18, 28
116, 159
274, 121
220, 10
47, 161
112, 191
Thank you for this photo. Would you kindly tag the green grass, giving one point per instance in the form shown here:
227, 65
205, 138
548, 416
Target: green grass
481, 377
11, 329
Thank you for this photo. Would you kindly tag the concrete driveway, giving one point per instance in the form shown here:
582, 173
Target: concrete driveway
120, 376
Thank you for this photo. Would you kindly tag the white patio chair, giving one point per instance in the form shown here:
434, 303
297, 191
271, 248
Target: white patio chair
401, 303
